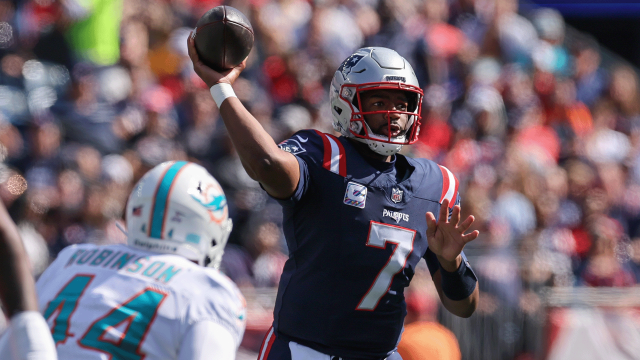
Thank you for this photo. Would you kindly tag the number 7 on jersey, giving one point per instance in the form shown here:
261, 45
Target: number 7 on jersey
379, 235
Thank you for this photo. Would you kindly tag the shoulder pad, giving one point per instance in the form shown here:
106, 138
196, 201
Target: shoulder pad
449, 186
318, 148
438, 182
217, 298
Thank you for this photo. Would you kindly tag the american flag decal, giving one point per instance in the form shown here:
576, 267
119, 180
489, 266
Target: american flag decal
137, 211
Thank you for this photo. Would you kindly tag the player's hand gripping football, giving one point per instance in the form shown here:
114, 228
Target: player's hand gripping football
446, 237
207, 74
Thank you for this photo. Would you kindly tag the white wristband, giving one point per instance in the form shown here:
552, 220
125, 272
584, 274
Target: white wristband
31, 337
221, 92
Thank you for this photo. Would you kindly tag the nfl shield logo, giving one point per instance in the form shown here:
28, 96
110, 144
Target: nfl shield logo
396, 195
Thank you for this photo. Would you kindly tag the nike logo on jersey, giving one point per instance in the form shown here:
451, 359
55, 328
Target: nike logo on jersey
301, 139
395, 215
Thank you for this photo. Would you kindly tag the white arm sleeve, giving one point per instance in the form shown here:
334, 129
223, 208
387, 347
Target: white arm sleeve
208, 340
28, 338
5, 348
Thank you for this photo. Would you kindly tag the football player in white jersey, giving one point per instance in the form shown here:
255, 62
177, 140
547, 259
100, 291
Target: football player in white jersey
153, 298
27, 337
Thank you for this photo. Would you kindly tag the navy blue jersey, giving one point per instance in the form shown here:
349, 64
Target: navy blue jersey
356, 230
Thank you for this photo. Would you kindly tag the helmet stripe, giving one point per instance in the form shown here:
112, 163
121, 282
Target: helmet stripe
160, 201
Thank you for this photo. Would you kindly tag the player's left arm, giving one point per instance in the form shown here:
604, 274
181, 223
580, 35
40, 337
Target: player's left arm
28, 333
17, 287
456, 283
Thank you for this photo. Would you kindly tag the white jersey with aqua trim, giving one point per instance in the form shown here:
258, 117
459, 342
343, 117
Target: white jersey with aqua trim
117, 302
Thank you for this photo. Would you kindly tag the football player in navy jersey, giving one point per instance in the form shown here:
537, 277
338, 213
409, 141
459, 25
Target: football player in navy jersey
354, 212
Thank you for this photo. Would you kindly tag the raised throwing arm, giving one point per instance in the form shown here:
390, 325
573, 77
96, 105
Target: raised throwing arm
277, 170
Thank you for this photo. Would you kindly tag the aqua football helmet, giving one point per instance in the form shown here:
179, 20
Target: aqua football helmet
179, 208
370, 69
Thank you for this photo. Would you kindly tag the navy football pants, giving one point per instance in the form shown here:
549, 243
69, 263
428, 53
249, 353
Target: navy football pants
277, 349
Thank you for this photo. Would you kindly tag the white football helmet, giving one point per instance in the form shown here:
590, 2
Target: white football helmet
179, 208
368, 69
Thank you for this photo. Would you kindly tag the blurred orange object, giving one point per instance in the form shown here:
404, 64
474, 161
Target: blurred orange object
580, 119
428, 340
164, 61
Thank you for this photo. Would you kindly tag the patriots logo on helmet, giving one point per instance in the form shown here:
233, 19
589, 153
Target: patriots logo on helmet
349, 63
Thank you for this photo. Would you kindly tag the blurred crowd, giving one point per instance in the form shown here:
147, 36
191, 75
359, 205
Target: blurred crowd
544, 138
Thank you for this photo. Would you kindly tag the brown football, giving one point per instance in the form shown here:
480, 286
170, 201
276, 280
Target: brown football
223, 37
